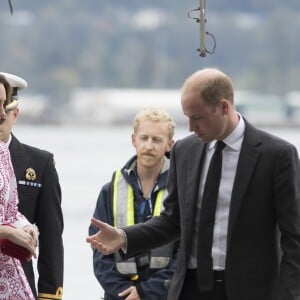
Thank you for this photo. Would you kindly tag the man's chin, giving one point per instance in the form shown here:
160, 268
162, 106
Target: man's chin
3, 138
201, 137
148, 161
204, 138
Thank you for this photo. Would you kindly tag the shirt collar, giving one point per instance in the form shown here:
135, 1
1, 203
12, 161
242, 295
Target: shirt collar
235, 138
8, 142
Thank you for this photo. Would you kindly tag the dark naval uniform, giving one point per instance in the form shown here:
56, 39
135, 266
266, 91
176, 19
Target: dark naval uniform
40, 201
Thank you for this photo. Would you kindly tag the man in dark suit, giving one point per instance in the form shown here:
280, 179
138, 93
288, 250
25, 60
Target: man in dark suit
234, 253
39, 200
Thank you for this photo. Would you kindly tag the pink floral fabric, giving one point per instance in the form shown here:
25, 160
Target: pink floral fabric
13, 282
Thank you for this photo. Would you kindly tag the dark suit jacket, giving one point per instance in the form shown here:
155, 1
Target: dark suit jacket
40, 202
265, 196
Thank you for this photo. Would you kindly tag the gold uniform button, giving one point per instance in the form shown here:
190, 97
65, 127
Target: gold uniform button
134, 277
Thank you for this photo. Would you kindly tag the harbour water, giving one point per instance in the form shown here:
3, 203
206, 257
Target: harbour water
85, 158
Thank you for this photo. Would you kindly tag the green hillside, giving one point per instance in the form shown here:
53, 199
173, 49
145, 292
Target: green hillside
59, 45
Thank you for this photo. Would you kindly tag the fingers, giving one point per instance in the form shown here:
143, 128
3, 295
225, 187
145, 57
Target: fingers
34, 233
108, 239
26, 238
91, 239
130, 294
125, 292
98, 245
31, 246
98, 223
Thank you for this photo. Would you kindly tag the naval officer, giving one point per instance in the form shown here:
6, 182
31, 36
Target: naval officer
39, 200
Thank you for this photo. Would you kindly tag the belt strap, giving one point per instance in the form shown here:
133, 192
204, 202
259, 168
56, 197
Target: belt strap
219, 276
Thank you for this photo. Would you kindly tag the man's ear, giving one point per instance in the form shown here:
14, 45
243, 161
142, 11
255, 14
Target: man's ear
170, 145
16, 113
133, 139
224, 106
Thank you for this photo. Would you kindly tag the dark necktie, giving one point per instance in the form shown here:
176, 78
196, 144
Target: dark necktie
207, 220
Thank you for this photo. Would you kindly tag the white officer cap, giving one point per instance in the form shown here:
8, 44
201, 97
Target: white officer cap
17, 83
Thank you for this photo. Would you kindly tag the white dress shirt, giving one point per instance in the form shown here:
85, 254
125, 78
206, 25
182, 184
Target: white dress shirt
230, 156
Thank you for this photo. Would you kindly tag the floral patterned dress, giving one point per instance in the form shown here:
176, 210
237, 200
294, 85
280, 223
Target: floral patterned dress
13, 282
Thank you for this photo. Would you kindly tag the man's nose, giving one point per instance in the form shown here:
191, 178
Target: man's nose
191, 126
149, 144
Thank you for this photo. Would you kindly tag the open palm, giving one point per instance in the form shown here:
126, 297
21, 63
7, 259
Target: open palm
108, 239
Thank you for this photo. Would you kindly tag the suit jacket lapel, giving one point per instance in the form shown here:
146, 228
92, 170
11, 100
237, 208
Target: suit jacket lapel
195, 161
248, 157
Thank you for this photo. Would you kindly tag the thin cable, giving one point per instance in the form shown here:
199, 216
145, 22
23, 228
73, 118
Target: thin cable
10, 7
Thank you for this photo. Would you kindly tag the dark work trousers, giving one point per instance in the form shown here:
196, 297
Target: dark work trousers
190, 291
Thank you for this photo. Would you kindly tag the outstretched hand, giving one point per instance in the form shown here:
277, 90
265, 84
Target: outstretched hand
108, 239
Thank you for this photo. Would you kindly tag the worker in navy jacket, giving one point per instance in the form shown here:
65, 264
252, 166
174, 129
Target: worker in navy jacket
135, 194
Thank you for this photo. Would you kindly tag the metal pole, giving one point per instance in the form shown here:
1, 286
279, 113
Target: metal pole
202, 21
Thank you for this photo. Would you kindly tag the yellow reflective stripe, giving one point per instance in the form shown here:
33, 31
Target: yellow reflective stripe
119, 186
56, 296
130, 201
158, 203
130, 208
115, 195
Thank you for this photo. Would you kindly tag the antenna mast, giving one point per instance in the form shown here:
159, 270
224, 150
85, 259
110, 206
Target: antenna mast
203, 33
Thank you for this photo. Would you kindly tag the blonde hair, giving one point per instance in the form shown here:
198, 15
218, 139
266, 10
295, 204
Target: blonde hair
156, 114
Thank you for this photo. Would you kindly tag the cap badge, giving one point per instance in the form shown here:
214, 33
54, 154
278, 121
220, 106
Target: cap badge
30, 174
